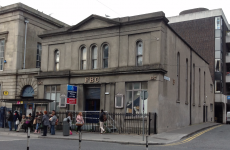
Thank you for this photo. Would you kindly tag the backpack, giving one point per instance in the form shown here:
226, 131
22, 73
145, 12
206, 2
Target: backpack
104, 117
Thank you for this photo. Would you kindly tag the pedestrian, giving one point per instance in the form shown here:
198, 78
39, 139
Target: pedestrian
102, 119
79, 121
70, 122
29, 123
52, 123
35, 122
22, 123
45, 122
9, 119
16, 120
38, 120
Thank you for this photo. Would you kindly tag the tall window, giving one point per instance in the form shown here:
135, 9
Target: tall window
199, 88
57, 58
193, 84
139, 53
204, 89
53, 93
136, 97
39, 52
94, 57
178, 77
2, 45
83, 58
105, 56
186, 99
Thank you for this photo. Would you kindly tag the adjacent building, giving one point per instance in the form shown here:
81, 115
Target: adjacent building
207, 32
126, 64
20, 53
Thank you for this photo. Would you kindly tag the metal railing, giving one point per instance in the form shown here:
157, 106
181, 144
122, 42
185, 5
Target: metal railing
116, 122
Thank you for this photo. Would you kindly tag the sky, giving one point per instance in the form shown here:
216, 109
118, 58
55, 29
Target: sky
74, 11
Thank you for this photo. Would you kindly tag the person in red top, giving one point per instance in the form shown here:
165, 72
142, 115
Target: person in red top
80, 121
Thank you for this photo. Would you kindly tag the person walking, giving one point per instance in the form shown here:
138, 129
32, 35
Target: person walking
52, 123
45, 122
9, 119
23, 121
79, 121
16, 120
70, 122
39, 120
102, 119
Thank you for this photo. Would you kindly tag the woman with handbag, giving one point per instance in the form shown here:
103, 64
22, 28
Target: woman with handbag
28, 123
16, 120
39, 120
79, 121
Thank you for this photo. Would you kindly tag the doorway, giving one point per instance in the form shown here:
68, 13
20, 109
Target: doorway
92, 105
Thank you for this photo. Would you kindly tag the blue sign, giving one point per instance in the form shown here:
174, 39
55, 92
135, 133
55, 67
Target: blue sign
71, 94
228, 97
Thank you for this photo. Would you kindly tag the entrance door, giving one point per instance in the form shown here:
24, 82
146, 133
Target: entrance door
92, 105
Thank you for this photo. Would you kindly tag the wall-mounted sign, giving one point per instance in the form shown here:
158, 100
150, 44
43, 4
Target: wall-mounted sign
92, 79
19, 102
5, 92
166, 78
71, 94
228, 97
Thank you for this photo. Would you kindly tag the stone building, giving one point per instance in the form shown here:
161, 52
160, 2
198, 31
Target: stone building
20, 52
207, 31
114, 61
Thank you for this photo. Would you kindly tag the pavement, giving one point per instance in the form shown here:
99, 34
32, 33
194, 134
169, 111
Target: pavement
155, 139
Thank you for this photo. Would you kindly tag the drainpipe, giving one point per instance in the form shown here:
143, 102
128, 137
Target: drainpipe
26, 21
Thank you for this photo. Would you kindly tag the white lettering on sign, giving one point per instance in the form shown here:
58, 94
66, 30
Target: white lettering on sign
92, 79
166, 78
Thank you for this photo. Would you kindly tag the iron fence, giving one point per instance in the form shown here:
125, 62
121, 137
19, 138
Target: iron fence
116, 122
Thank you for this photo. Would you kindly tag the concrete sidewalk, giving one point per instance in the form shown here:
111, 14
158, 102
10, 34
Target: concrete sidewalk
156, 139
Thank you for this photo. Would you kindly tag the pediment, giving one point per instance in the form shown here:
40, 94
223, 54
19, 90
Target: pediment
93, 22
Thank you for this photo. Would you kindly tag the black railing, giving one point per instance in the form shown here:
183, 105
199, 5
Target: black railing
116, 122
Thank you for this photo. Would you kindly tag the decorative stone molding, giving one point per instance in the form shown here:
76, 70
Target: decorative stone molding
23, 82
4, 35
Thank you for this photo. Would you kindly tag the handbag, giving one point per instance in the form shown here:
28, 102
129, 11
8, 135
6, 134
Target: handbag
17, 122
79, 123
35, 121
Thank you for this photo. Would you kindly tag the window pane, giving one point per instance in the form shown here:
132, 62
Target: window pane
136, 102
52, 106
94, 53
58, 97
139, 48
144, 100
47, 95
106, 51
83, 65
1, 54
83, 53
217, 65
105, 63
58, 88
139, 61
57, 66
136, 85
129, 102
144, 85
218, 54
53, 96
218, 86
118, 102
94, 62
57, 56
217, 44
53, 89
47, 89
129, 86
1, 67
218, 33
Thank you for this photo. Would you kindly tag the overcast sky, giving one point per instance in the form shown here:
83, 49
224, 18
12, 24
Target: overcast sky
73, 11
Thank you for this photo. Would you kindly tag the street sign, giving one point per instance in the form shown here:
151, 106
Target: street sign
228, 97
166, 78
5, 92
71, 94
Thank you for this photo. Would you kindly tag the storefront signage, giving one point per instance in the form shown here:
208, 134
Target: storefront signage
228, 97
92, 79
5, 92
71, 94
19, 102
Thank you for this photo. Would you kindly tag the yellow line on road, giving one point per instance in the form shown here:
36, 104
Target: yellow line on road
192, 137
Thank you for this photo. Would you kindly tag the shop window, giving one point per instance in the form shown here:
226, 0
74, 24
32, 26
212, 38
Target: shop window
218, 65
178, 77
94, 57
52, 92
105, 56
39, 52
139, 53
136, 97
2, 46
57, 58
218, 87
83, 58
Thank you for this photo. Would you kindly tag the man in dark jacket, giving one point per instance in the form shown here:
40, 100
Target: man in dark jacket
101, 119
9, 119
16, 116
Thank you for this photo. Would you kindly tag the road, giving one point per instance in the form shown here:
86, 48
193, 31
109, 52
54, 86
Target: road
214, 139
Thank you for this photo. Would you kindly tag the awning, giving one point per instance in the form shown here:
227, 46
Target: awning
23, 101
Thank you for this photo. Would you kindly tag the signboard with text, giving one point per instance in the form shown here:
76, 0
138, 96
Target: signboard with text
71, 94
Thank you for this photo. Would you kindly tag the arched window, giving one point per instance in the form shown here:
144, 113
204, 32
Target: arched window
178, 76
94, 57
83, 58
105, 56
139, 53
57, 58
28, 91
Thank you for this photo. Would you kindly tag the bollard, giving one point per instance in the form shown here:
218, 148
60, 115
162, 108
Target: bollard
79, 140
147, 144
28, 138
